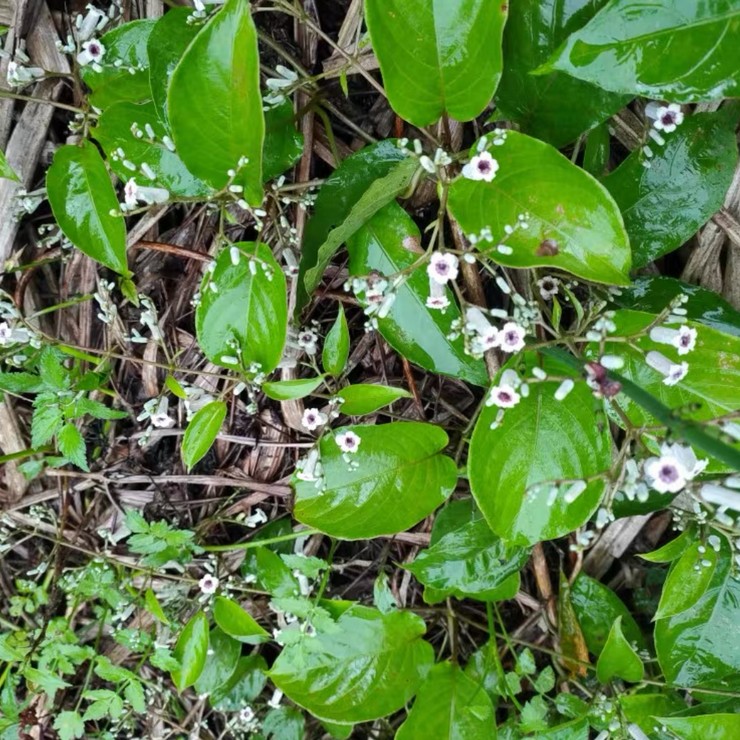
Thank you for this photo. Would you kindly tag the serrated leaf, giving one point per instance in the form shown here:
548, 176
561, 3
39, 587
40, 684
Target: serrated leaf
335, 354
326, 673
214, 105
286, 390
69, 725
72, 445
82, 197
20, 382
396, 478
665, 199
190, 650
224, 652
437, 57
244, 307
364, 398
618, 658
237, 622
201, 432
565, 209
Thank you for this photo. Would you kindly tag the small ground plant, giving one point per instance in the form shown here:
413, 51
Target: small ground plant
361, 373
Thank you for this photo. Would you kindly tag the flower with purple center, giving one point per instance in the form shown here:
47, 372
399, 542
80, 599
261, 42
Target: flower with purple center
672, 372
481, 167
504, 396
92, 53
548, 287
313, 419
511, 337
438, 299
443, 267
208, 584
683, 338
670, 472
668, 118
348, 441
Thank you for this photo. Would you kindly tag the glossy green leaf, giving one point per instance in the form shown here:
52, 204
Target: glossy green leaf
249, 308
665, 199
283, 142
82, 197
201, 432
6, 170
273, 575
287, 390
437, 56
328, 673
418, 333
190, 650
618, 658
597, 608
364, 398
573, 223
577, 729
469, 562
449, 705
539, 442
396, 478
340, 194
125, 49
244, 685
643, 708
688, 580
597, 151
284, 723
214, 104
336, 346
714, 726
679, 50
698, 647
224, 652
556, 107
237, 622
114, 131
671, 550
484, 667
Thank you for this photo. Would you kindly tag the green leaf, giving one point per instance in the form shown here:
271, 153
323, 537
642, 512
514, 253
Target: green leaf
246, 308
383, 597
287, 390
449, 705
714, 726
82, 198
421, 335
338, 196
20, 383
125, 49
671, 550
223, 655
682, 51
618, 658
153, 606
190, 650
69, 725
214, 104
6, 170
237, 622
272, 573
540, 441
134, 693
327, 673
336, 346
469, 562
284, 723
99, 410
597, 151
484, 667
45, 423
665, 199
364, 398
244, 685
201, 432
698, 646
566, 210
597, 607
395, 479
688, 580
114, 131
557, 107
437, 57
577, 729
283, 142
642, 708
72, 445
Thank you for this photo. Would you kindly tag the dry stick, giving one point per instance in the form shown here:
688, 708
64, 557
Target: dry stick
172, 249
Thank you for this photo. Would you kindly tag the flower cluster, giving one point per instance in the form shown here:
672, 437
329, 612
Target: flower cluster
482, 335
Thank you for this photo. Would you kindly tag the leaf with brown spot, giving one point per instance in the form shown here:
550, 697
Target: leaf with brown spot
572, 643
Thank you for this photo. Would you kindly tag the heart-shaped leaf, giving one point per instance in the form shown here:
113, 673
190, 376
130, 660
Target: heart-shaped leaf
437, 57
618, 658
214, 105
557, 214
82, 197
396, 477
202, 431
190, 650
243, 310
327, 673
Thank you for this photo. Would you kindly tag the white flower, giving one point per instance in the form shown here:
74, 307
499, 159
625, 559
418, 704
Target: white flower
348, 441
481, 167
489, 339
504, 396
683, 338
309, 469
548, 287
313, 419
208, 584
134, 194
673, 372
511, 337
160, 418
668, 117
665, 474
476, 321
92, 53
6, 334
17, 75
721, 496
307, 341
443, 267
686, 456
437, 296
131, 192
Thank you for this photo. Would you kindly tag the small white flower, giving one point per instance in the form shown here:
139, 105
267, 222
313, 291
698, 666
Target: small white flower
504, 396
668, 117
348, 441
490, 338
307, 341
665, 474
309, 469
438, 302
208, 584
131, 193
160, 418
6, 334
721, 496
92, 53
683, 338
313, 419
686, 457
511, 337
548, 287
481, 167
673, 373
443, 267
